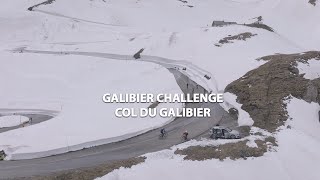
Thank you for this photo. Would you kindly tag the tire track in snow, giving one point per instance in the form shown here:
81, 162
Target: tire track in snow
76, 19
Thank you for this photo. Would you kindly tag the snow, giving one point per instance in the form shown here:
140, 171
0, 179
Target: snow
183, 34
294, 159
230, 101
13, 120
311, 69
305, 118
76, 84
252, 144
71, 86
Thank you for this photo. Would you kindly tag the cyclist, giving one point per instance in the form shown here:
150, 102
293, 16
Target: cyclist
163, 132
185, 135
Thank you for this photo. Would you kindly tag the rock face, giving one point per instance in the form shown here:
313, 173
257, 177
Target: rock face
240, 37
316, 83
233, 151
313, 2
234, 113
311, 94
2, 155
262, 91
261, 26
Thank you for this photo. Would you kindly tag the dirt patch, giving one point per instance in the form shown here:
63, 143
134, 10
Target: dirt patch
231, 39
262, 91
232, 150
89, 173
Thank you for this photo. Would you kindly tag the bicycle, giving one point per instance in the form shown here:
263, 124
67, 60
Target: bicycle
163, 136
184, 137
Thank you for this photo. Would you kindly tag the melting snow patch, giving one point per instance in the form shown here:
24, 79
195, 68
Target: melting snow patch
310, 69
251, 144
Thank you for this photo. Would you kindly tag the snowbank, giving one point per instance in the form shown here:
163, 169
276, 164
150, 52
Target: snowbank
305, 118
294, 159
311, 69
13, 120
230, 101
77, 85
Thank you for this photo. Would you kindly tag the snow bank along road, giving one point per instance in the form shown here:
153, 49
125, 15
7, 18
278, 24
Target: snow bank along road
193, 72
139, 145
37, 115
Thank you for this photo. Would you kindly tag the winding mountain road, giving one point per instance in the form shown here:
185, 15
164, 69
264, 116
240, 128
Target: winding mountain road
37, 115
133, 147
192, 71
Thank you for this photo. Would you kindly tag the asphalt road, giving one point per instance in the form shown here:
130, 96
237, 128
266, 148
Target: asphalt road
133, 147
38, 116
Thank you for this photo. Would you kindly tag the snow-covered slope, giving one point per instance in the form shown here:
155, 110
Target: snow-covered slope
294, 159
180, 33
14, 120
171, 29
74, 86
311, 69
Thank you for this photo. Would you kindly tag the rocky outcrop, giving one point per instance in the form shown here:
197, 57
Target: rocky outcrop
311, 94
313, 2
233, 151
2, 155
231, 39
261, 26
263, 90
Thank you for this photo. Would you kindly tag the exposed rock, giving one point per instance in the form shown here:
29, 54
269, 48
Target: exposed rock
311, 93
259, 18
2, 155
316, 83
261, 26
232, 150
230, 39
313, 2
270, 84
244, 130
234, 113
183, 1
